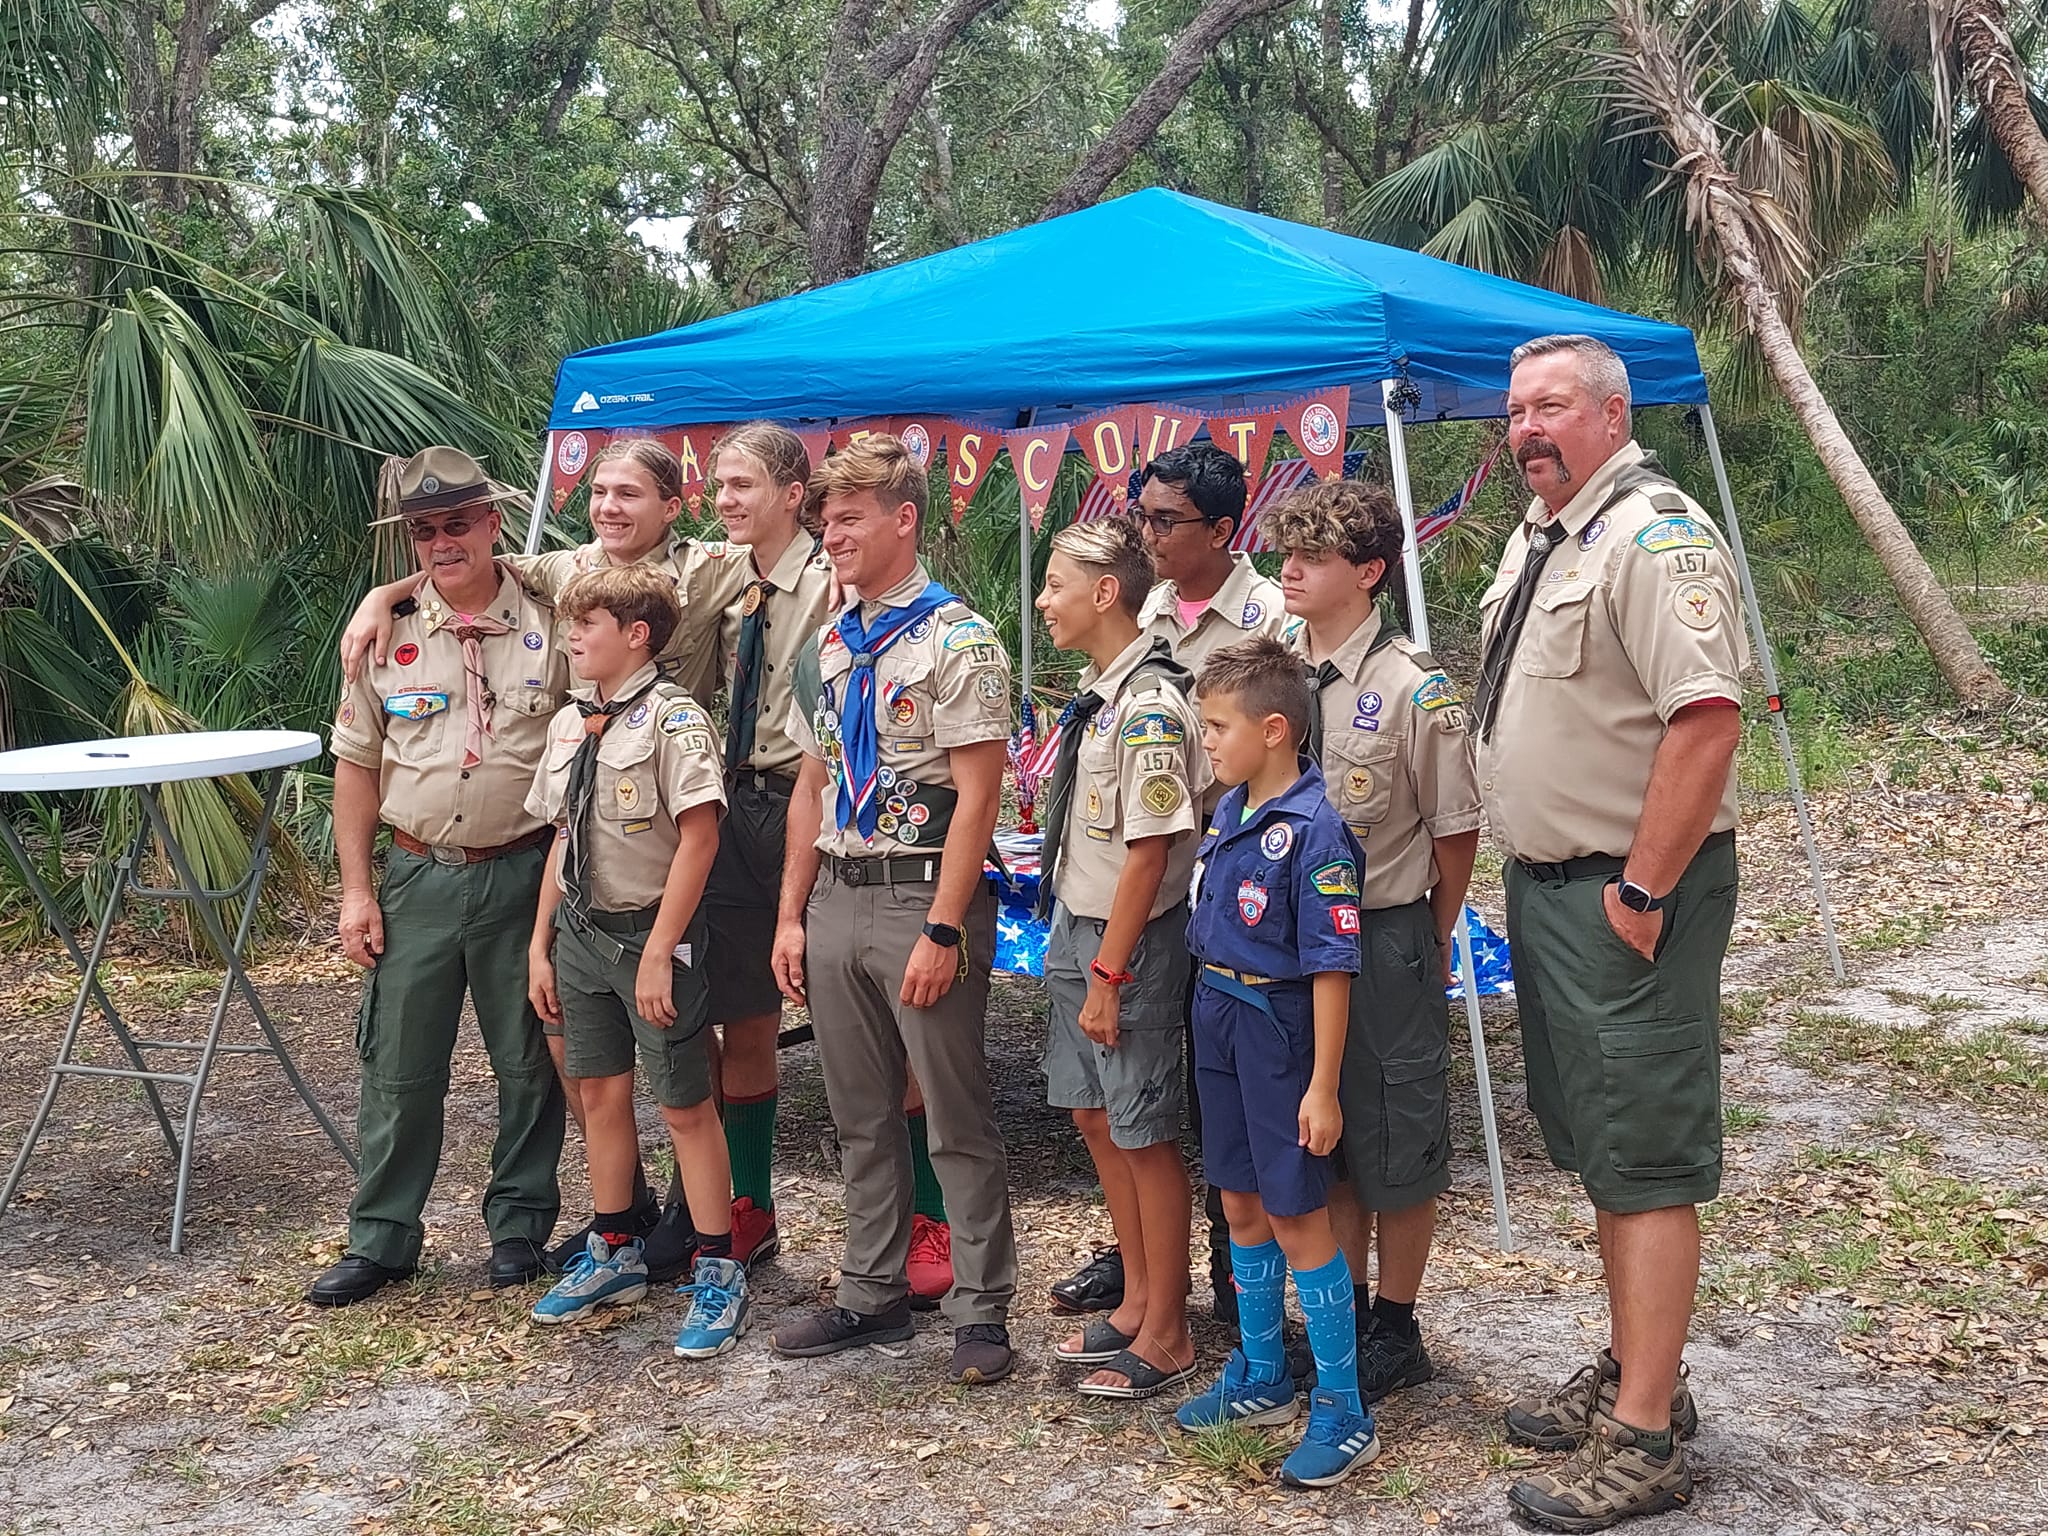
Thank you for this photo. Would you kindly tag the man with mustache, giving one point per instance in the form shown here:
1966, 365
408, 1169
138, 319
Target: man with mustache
1608, 721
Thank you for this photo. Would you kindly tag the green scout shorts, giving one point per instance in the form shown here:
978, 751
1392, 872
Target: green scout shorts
600, 1024
1142, 1082
741, 897
1623, 1053
1396, 1083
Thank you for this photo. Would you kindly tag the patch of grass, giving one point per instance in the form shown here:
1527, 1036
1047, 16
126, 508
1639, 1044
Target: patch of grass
1743, 1011
1402, 1482
2027, 1024
1935, 1005
1743, 1117
1963, 1069
694, 1467
188, 1466
1236, 1450
1503, 1457
1900, 930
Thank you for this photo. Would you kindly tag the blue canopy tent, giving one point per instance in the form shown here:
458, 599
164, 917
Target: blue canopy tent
1151, 297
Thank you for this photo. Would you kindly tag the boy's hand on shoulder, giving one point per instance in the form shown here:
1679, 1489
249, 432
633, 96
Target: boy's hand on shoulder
1322, 1122
654, 988
1099, 1014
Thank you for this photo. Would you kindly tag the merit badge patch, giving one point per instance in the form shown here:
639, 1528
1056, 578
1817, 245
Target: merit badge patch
887, 822
415, 706
1337, 878
1590, 535
1674, 533
406, 654
1154, 729
895, 805
1251, 903
919, 814
1278, 838
1369, 703
971, 634
1344, 919
1438, 693
639, 714
1252, 613
907, 833
683, 717
627, 793
532, 639
1161, 794
1695, 604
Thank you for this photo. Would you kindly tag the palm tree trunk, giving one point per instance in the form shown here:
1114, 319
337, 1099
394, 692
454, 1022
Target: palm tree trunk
1999, 82
1664, 84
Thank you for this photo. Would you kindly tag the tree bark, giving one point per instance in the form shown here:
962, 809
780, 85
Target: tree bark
1129, 135
1330, 29
1651, 62
1999, 82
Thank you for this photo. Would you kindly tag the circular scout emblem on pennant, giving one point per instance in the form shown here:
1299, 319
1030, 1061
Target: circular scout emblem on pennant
1591, 535
1251, 903
406, 654
1319, 429
992, 687
1369, 703
921, 630
1161, 794
919, 815
640, 713
346, 715
904, 710
627, 793
752, 601
1278, 839
906, 833
1094, 811
919, 442
1695, 604
1253, 613
533, 640
572, 453
1358, 783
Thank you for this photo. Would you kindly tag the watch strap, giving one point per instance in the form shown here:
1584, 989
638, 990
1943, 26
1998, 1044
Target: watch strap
1107, 977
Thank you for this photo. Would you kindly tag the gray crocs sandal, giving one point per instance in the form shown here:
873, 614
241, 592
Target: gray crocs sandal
1142, 1378
1100, 1344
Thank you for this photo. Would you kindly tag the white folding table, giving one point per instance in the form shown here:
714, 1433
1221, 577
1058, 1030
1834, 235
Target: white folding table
145, 764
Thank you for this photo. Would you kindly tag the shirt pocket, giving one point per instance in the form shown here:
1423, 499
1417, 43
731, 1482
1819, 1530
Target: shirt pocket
1095, 795
555, 789
528, 700
1554, 639
905, 700
1361, 772
417, 742
626, 790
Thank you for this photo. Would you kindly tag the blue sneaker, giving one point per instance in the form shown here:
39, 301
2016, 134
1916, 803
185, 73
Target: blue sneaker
719, 1309
1338, 1443
1237, 1399
596, 1277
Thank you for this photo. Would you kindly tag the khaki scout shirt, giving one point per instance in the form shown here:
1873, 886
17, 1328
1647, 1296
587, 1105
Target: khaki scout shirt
1397, 760
1247, 605
408, 719
802, 579
654, 762
1637, 616
945, 684
708, 577
1141, 773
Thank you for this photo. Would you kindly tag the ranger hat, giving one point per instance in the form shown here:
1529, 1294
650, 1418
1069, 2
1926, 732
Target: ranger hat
439, 479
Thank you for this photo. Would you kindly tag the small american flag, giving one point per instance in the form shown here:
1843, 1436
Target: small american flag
1448, 512
1039, 764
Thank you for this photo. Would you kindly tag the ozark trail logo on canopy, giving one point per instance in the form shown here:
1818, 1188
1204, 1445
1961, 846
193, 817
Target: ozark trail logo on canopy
573, 452
1319, 429
584, 402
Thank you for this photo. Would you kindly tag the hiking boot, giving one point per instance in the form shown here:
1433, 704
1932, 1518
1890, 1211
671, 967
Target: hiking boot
981, 1354
600, 1276
1609, 1478
719, 1309
1560, 1420
1097, 1286
830, 1329
754, 1238
930, 1266
1236, 1398
1337, 1443
1388, 1358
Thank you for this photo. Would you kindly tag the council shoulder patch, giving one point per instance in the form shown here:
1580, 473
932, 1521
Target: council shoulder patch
1337, 878
1154, 728
970, 634
1675, 533
1439, 692
682, 717
1161, 794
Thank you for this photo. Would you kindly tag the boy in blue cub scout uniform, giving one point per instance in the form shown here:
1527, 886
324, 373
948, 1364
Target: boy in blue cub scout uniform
1275, 929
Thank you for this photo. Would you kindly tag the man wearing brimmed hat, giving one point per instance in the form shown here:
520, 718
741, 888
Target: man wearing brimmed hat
439, 742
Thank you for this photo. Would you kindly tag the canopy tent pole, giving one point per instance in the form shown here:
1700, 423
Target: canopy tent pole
1027, 418
1768, 664
1418, 618
535, 523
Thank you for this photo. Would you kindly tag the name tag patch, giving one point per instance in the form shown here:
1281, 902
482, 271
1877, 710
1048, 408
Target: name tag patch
415, 706
631, 827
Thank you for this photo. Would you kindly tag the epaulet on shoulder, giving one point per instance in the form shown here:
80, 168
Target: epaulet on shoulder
955, 612
1670, 502
1145, 680
405, 608
667, 688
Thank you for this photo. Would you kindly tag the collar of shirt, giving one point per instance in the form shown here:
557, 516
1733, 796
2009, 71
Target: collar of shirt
438, 612
1350, 656
1598, 487
632, 685
1299, 799
1110, 680
1229, 602
790, 565
903, 592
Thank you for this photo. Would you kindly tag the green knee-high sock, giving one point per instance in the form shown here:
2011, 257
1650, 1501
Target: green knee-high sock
926, 1199
750, 1141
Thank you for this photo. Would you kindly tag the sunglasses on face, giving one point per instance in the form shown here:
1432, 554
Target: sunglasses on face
423, 531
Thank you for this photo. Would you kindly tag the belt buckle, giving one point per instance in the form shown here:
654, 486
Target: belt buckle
441, 854
852, 872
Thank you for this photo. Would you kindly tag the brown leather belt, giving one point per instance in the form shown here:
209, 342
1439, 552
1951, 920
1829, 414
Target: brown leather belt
441, 853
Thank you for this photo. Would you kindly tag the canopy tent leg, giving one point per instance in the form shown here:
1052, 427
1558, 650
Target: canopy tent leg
1025, 418
1418, 611
1768, 664
538, 520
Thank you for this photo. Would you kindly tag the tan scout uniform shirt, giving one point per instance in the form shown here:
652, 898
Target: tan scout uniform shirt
802, 580
1637, 616
1247, 605
1141, 773
654, 762
1397, 760
945, 684
707, 578
408, 720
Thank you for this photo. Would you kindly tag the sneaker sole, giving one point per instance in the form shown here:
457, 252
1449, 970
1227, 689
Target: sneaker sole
623, 1298
971, 1377
1286, 1413
1331, 1480
1573, 1525
881, 1339
725, 1345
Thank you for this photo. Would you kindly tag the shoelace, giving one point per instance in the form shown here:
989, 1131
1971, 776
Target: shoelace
1588, 1462
708, 1301
930, 1243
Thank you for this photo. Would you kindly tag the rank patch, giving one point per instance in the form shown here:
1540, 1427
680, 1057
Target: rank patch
904, 710
1438, 693
1251, 903
346, 715
627, 793
1336, 879
1094, 808
415, 706
1161, 794
1358, 783
1675, 533
1154, 729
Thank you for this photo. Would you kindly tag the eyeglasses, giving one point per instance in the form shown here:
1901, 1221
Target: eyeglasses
421, 531
1162, 524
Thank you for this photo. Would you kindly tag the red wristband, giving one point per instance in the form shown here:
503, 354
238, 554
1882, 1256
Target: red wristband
1108, 977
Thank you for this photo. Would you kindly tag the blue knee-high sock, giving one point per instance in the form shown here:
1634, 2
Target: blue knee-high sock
1330, 1310
1261, 1298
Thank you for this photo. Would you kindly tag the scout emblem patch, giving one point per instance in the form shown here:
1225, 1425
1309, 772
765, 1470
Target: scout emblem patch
1252, 614
1336, 879
640, 713
533, 640
1369, 703
1674, 533
406, 654
921, 630
415, 706
1438, 693
1593, 530
1161, 794
1251, 903
1154, 729
1695, 604
1278, 839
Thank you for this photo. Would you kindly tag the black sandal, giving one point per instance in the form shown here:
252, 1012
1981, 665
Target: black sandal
1142, 1378
1101, 1342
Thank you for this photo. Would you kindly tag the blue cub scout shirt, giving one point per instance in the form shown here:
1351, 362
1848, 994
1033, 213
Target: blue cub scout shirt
1278, 895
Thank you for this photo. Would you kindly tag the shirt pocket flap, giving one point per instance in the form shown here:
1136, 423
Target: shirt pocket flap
562, 752
626, 749
1554, 645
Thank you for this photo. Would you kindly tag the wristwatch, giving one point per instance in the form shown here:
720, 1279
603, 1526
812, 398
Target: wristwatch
1636, 899
945, 935
1108, 977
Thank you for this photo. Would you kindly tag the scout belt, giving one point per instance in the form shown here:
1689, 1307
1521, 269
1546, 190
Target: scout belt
611, 935
900, 870
1241, 985
443, 853
1598, 866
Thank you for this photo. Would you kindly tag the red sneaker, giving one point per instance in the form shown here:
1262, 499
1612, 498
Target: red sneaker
754, 1240
931, 1262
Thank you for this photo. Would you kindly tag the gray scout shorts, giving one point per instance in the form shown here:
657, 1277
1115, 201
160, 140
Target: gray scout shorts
600, 1025
1395, 1088
1142, 1082
741, 897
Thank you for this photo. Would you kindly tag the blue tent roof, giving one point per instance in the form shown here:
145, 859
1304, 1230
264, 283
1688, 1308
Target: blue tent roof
1152, 297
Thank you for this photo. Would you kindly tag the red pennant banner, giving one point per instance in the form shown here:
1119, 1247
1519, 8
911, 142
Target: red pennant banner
1316, 424
867, 426
973, 450
569, 455
1161, 427
1106, 443
1249, 435
693, 452
1035, 454
921, 435
815, 440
